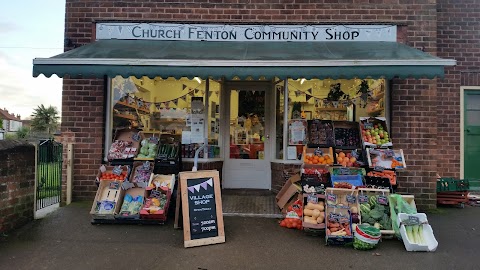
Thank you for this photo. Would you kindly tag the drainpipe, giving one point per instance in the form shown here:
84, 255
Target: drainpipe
195, 161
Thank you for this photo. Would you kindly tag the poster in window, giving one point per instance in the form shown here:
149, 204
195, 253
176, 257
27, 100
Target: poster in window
297, 132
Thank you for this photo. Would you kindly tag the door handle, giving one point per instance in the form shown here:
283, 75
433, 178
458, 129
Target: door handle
467, 130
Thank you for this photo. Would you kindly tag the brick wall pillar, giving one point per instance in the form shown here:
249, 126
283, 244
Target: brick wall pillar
17, 184
414, 129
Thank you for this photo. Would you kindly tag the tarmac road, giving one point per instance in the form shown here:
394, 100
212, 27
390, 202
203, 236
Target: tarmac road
66, 239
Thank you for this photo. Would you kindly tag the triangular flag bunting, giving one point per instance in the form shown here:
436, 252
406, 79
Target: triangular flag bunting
184, 98
184, 87
309, 90
175, 101
197, 187
204, 185
191, 189
196, 91
308, 97
157, 106
210, 182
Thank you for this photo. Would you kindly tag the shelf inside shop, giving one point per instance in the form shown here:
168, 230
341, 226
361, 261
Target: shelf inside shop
126, 116
124, 103
331, 109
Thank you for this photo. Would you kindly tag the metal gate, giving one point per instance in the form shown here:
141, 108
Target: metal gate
49, 173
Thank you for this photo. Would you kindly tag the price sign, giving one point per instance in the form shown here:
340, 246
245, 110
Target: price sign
362, 198
155, 194
136, 137
389, 153
146, 165
351, 199
344, 171
312, 198
368, 125
411, 220
334, 217
382, 200
114, 185
117, 170
154, 140
354, 154
318, 152
332, 198
378, 168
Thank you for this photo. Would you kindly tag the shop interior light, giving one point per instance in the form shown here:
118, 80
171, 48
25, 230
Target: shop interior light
198, 79
302, 80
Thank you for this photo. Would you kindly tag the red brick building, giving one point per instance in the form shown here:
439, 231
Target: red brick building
424, 113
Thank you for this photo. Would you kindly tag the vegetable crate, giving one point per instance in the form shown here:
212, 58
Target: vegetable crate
118, 173
451, 184
156, 211
375, 209
459, 198
377, 125
107, 200
313, 211
345, 180
130, 209
347, 135
141, 173
320, 133
338, 226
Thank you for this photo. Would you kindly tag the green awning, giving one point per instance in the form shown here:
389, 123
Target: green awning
242, 59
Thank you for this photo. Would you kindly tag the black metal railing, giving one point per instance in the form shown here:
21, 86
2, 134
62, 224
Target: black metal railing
49, 173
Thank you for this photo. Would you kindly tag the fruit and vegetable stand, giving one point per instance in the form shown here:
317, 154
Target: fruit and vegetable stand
137, 184
347, 187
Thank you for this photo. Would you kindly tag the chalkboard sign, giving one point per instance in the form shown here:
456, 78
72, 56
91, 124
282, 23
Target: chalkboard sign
201, 208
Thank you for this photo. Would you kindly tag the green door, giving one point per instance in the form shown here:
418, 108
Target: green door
472, 134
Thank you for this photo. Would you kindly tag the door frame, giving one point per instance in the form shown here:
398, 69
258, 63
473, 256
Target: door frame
270, 123
463, 89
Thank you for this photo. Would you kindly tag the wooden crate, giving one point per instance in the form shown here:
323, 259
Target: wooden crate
373, 192
319, 226
108, 193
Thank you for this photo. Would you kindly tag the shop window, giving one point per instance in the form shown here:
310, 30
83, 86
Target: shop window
328, 99
183, 108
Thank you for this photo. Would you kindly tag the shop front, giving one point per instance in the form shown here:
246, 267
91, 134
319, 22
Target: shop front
242, 90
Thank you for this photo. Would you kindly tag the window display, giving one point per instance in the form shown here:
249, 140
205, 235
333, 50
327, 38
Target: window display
330, 100
158, 107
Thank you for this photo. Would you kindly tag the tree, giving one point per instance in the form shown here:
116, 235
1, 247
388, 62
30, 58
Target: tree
45, 119
22, 133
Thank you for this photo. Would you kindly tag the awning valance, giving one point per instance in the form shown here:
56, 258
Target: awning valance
242, 59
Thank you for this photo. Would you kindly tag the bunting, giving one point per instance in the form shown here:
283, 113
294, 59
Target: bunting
203, 185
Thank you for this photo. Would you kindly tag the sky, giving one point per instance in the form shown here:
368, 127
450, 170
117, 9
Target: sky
29, 29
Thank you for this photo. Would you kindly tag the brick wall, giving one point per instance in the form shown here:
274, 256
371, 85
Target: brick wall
17, 184
458, 38
418, 20
281, 173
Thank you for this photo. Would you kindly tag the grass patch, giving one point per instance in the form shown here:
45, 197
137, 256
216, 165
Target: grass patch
49, 177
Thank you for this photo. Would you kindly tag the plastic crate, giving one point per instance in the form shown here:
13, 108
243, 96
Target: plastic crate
452, 184
354, 180
474, 185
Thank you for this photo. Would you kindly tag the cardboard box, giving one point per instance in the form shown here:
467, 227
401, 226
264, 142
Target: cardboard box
134, 191
162, 180
319, 198
318, 151
385, 158
161, 214
110, 169
288, 191
107, 200
153, 138
374, 121
375, 192
141, 175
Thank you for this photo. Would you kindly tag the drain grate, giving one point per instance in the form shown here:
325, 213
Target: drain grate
250, 206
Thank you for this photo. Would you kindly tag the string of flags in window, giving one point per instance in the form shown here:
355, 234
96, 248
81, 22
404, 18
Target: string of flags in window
167, 104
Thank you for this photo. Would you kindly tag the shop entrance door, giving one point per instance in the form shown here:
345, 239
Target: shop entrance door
471, 133
247, 157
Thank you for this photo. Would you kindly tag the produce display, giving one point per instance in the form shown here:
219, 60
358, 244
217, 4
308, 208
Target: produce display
318, 156
346, 159
366, 237
167, 151
155, 202
121, 150
386, 158
347, 137
293, 219
112, 176
142, 172
390, 175
338, 224
313, 213
149, 148
375, 211
131, 206
160, 180
375, 135
321, 132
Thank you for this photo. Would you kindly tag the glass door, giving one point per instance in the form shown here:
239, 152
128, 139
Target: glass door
247, 162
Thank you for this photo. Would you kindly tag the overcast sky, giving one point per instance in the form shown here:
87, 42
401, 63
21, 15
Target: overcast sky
29, 29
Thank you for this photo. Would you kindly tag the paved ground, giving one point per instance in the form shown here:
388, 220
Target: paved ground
67, 240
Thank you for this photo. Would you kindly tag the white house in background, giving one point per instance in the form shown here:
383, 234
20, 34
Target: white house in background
11, 122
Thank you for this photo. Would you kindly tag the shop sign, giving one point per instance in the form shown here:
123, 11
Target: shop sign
218, 32
201, 208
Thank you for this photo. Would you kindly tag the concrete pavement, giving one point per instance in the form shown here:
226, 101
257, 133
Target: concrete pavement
65, 239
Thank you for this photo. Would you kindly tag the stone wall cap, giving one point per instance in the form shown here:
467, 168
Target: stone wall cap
11, 144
